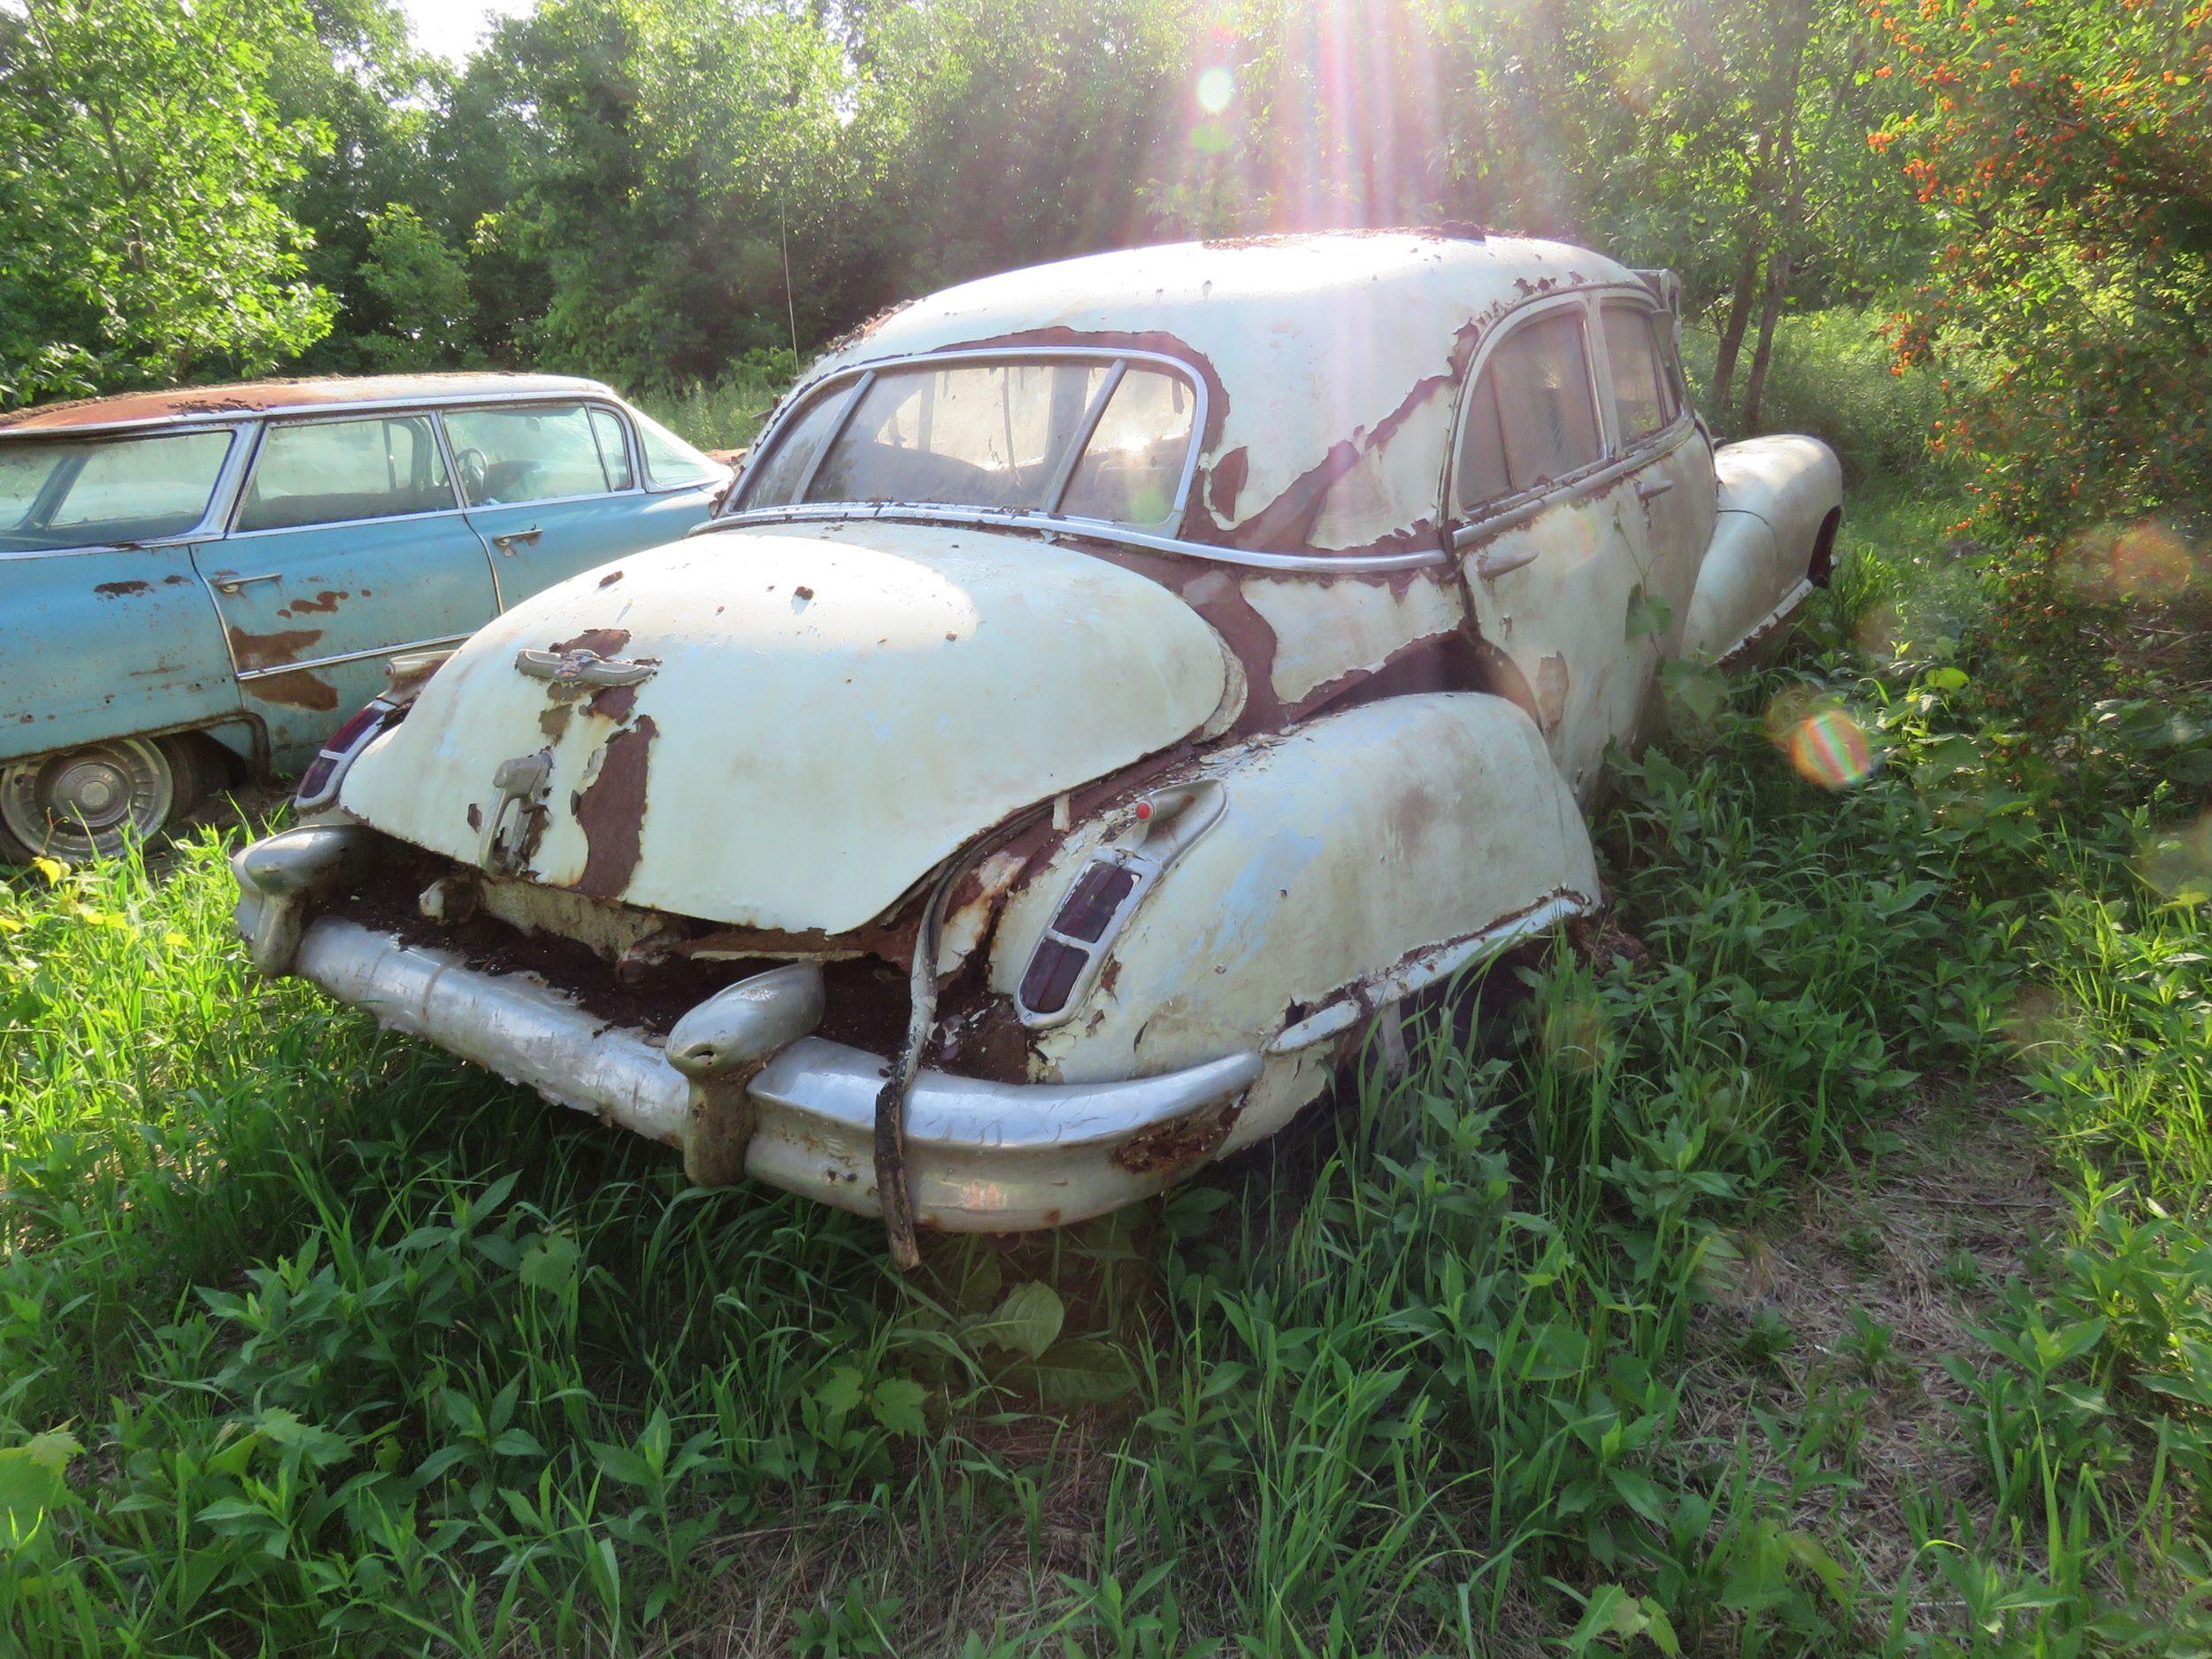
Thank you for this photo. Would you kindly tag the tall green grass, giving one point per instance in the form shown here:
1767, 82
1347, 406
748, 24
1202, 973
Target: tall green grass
314, 1341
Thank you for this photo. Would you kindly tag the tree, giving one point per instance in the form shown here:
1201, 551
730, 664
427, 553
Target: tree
2066, 148
423, 290
143, 159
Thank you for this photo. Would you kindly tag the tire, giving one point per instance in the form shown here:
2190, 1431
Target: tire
93, 801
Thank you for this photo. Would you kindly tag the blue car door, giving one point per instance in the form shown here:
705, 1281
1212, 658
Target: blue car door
553, 488
347, 547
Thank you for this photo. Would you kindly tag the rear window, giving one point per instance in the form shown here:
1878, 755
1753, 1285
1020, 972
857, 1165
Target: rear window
83, 492
1094, 438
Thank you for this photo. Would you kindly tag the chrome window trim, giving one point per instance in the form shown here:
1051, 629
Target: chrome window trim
280, 411
213, 518
1505, 513
307, 663
1081, 529
805, 397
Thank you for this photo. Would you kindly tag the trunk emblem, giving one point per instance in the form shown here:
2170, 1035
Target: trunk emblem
571, 673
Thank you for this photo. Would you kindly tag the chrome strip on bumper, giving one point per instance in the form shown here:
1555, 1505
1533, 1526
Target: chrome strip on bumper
983, 1158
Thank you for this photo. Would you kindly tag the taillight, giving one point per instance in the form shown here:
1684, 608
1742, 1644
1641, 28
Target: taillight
319, 785
1104, 894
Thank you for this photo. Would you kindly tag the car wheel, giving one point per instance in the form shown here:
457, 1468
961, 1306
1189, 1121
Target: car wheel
91, 801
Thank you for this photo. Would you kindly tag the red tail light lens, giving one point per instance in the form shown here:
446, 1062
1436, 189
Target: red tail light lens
319, 785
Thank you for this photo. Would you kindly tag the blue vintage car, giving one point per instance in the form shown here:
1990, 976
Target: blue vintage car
200, 585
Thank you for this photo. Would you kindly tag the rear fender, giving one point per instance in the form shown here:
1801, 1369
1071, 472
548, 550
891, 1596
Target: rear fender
1358, 856
1781, 500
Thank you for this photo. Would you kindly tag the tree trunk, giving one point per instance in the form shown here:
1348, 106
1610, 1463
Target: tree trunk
1739, 300
1762, 354
1774, 205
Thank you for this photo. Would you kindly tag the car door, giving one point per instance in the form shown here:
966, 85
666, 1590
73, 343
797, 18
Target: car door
1547, 532
347, 545
553, 488
1668, 459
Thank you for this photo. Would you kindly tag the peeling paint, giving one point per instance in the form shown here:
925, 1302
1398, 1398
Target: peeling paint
271, 650
610, 809
297, 689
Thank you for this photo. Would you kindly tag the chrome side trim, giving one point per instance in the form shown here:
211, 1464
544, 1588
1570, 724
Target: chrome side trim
982, 1157
1085, 529
351, 657
1424, 968
1791, 602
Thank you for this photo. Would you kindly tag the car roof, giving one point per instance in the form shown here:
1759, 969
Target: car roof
1307, 343
276, 396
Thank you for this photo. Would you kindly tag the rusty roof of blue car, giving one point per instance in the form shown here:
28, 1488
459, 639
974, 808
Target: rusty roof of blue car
262, 397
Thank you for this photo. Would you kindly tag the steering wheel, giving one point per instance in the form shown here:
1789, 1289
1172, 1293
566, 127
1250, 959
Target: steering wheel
474, 470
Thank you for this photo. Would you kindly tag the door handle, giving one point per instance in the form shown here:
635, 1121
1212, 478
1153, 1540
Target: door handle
1498, 560
514, 539
233, 584
1652, 488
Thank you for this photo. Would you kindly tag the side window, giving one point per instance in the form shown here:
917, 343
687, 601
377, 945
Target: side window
1532, 417
1639, 393
537, 452
1134, 459
614, 448
1481, 470
668, 460
326, 471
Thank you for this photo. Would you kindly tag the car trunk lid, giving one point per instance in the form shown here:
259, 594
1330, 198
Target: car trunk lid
786, 729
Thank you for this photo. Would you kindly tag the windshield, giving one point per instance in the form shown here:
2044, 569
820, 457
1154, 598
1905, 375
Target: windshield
94, 492
1105, 439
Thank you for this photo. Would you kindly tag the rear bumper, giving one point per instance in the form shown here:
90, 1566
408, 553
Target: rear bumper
981, 1157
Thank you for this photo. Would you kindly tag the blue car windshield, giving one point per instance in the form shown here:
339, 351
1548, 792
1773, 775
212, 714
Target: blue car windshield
96, 492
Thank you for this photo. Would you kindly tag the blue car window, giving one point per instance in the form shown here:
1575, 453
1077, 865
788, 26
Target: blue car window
537, 452
668, 460
87, 492
330, 472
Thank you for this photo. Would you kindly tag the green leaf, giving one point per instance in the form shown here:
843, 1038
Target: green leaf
1027, 1322
548, 1262
897, 1405
1079, 1372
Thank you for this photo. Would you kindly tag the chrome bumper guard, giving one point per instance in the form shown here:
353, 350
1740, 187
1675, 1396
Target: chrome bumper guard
982, 1157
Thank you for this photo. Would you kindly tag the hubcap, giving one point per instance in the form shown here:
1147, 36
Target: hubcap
89, 800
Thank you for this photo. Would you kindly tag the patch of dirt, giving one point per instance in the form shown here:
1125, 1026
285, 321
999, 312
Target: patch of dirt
1921, 1246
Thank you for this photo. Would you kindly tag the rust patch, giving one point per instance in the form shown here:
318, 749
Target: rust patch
610, 579
476, 817
324, 602
174, 581
616, 703
1173, 1147
554, 720
611, 813
599, 641
1551, 690
298, 689
269, 651
116, 590
1225, 482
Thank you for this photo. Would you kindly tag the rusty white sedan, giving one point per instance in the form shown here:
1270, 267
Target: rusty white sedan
1108, 691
